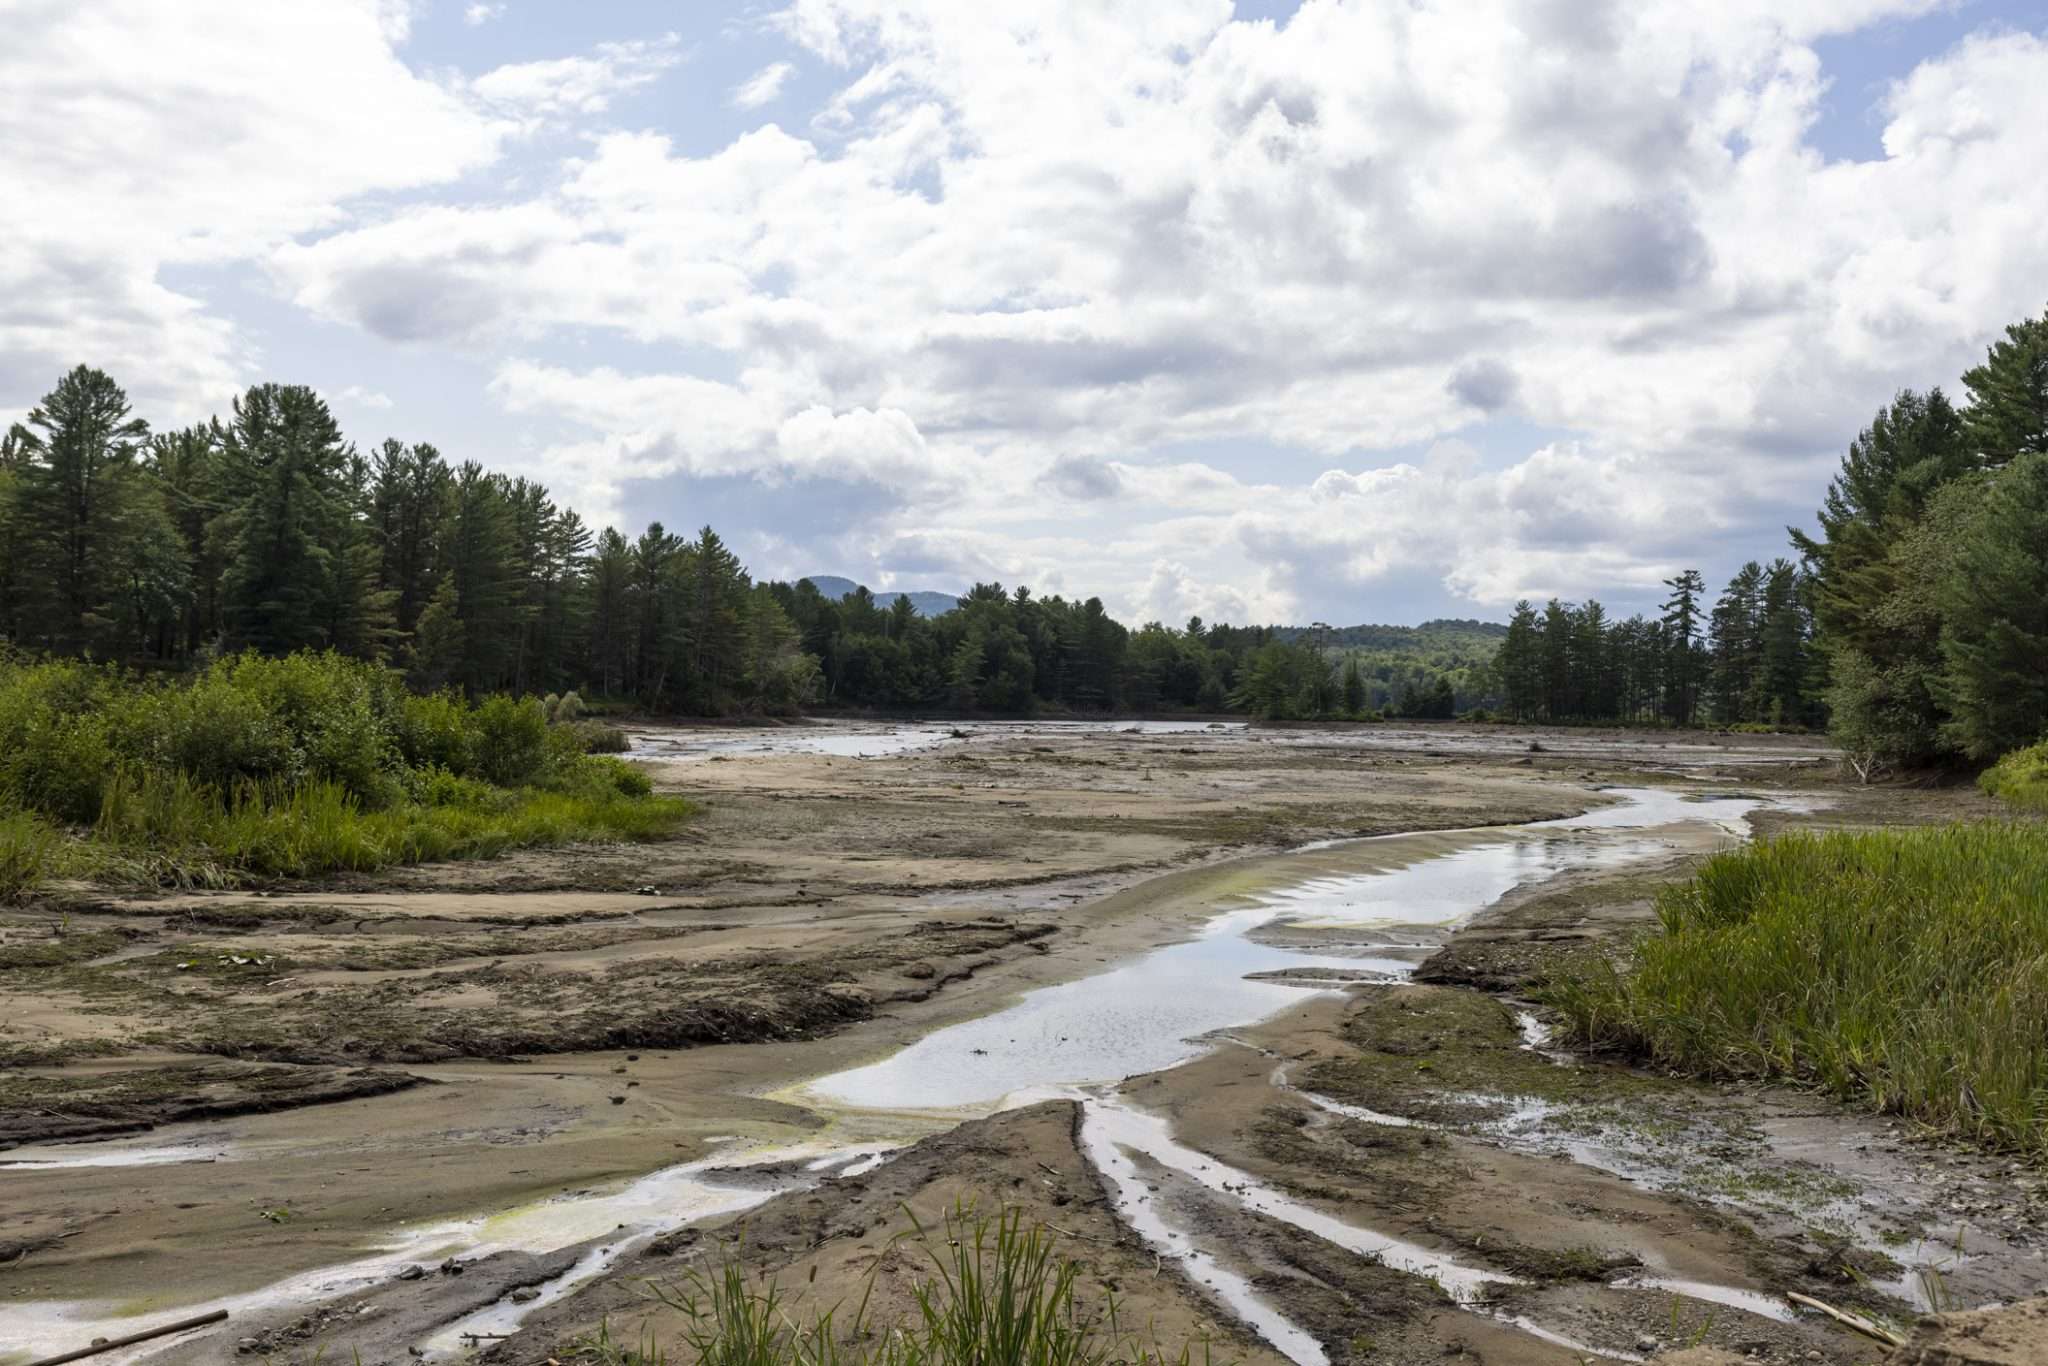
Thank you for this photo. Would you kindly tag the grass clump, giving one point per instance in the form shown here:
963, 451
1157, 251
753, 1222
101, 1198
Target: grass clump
289, 767
998, 1293
2020, 778
1905, 970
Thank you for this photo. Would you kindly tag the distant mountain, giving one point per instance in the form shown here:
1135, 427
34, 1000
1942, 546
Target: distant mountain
1444, 630
925, 604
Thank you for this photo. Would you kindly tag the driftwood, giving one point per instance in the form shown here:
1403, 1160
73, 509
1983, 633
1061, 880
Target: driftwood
110, 1344
1854, 1322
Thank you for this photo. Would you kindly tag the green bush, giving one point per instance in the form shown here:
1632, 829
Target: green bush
436, 730
2020, 778
214, 733
568, 710
595, 737
59, 765
511, 741
287, 767
1907, 970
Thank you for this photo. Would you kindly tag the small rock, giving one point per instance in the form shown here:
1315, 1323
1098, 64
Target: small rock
1645, 1343
412, 1271
618, 1100
525, 1294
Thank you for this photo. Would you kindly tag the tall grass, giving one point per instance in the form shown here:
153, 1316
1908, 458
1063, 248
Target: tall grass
1906, 970
31, 853
998, 1293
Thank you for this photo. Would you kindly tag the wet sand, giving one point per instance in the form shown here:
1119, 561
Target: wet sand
826, 913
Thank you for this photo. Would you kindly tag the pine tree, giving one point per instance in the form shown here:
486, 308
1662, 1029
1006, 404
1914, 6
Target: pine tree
1736, 652
1681, 634
1519, 665
412, 493
187, 469
287, 519
75, 503
715, 589
2008, 415
1994, 638
15, 569
1782, 644
610, 598
438, 649
479, 555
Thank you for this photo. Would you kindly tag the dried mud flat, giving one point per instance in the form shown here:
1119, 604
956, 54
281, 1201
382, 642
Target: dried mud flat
303, 1076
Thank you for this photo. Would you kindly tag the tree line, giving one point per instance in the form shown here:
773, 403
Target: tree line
267, 531
1748, 660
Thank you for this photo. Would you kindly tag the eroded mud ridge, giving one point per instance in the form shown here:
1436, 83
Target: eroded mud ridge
1165, 977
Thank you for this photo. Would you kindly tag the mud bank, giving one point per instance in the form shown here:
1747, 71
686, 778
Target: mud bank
1050, 859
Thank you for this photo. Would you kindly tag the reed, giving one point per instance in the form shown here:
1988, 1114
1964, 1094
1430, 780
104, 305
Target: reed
1906, 970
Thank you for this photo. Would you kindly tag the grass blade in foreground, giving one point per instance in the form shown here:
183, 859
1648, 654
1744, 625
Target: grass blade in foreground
999, 1294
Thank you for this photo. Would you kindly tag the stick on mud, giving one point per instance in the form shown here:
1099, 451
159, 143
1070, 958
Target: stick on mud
110, 1344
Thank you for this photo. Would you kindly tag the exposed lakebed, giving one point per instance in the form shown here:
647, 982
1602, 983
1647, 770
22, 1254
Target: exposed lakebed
1379, 905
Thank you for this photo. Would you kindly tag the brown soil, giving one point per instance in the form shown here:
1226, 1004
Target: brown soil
823, 913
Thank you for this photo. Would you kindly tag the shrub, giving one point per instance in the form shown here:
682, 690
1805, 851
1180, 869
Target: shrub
59, 765
215, 733
511, 741
337, 709
2020, 778
595, 737
436, 730
615, 776
289, 767
569, 709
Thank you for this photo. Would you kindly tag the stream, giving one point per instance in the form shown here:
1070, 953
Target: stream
1391, 898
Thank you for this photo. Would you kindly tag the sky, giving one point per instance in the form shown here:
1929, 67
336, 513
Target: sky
1350, 310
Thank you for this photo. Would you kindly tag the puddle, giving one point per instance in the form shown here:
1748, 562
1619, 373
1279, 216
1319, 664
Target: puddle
52, 1157
1146, 1015
1749, 1301
1139, 1018
635, 1213
1111, 1130
1150, 1013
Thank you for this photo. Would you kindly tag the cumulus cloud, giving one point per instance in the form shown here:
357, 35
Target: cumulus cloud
146, 137
1081, 476
583, 84
763, 87
1485, 383
481, 13
360, 397
1261, 273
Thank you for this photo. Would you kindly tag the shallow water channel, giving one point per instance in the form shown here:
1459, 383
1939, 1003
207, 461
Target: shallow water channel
1386, 902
